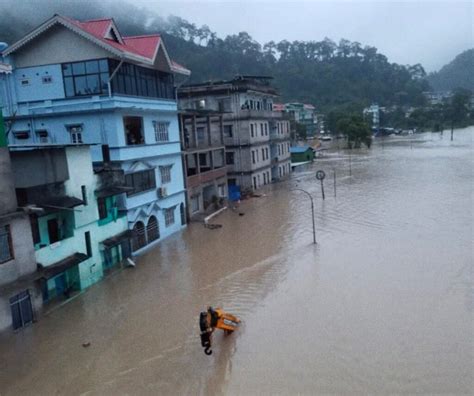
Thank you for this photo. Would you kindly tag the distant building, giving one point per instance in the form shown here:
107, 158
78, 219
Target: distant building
373, 113
20, 293
78, 233
301, 113
257, 139
302, 154
75, 82
202, 140
437, 98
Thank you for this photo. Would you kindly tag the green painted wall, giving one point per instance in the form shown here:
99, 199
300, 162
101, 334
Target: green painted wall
308, 155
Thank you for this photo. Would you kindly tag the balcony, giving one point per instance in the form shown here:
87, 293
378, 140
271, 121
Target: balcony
57, 251
204, 177
258, 114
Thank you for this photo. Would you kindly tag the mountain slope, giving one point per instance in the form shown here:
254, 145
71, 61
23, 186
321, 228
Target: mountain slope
459, 73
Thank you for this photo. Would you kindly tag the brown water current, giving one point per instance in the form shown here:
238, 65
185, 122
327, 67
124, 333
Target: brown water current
383, 304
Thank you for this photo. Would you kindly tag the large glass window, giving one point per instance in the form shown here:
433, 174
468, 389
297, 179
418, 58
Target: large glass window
140, 181
85, 78
140, 81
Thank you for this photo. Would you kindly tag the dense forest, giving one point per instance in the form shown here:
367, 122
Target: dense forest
327, 74
457, 74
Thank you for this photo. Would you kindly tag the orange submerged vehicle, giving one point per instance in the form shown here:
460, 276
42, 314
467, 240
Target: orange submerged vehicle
215, 319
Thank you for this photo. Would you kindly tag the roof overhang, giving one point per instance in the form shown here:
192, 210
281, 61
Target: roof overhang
74, 26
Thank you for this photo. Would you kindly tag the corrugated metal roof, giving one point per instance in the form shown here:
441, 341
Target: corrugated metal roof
299, 149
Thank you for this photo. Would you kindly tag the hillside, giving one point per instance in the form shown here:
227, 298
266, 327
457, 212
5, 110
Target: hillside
324, 73
459, 73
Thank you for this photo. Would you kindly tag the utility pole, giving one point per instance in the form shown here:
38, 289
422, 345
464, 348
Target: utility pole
312, 210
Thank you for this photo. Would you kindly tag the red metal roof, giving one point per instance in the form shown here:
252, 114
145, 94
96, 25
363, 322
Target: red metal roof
145, 46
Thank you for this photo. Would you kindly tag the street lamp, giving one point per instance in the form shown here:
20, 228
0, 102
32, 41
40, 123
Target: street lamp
312, 210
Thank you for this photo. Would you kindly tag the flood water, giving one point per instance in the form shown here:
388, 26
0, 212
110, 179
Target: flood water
383, 304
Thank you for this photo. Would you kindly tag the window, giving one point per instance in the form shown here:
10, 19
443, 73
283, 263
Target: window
85, 78
279, 149
264, 178
24, 82
261, 129
251, 130
6, 248
140, 81
84, 194
254, 182
47, 79
195, 204
228, 130
161, 131
253, 157
229, 158
53, 230
75, 132
165, 172
266, 152
140, 181
138, 236
169, 216
133, 127
42, 136
266, 129
152, 229
263, 154
35, 228
221, 190
87, 237
102, 206
21, 135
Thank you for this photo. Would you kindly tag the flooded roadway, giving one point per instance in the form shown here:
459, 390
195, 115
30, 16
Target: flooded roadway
383, 304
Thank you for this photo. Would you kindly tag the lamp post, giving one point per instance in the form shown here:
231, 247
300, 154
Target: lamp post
312, 210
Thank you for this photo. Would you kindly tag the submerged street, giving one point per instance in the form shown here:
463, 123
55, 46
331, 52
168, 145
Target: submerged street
383, 303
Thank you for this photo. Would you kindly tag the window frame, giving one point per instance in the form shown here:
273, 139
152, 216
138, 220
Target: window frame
5, 231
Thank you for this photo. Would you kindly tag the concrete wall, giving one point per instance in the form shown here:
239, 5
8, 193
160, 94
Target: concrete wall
47, 166
24, 262
7, 188
36, 89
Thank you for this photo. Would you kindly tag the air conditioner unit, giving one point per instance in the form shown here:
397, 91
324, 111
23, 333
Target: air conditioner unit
161, 192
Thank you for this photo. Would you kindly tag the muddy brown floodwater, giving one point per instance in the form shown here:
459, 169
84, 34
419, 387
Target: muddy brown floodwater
383, 304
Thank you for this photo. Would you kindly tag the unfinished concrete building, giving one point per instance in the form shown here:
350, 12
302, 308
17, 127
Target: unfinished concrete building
202, 142
256, 138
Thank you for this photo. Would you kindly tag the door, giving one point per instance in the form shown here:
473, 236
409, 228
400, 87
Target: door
53, 230
22, 311
60, 284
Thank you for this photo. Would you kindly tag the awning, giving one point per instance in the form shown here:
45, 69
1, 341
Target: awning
109, 191
62, 265
117, 239
55, 204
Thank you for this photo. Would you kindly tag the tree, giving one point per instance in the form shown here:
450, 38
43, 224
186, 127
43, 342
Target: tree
456, 112
356, 130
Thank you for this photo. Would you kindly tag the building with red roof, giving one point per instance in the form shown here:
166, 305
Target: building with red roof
83, 82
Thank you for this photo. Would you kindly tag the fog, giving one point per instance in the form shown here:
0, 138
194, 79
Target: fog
407, 32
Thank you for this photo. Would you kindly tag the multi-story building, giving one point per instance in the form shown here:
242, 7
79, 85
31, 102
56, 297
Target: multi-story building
256, 138
301, 113
20, 295
202, 140
78, 233
78, 82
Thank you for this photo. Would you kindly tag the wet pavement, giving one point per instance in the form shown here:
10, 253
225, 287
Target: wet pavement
383, 304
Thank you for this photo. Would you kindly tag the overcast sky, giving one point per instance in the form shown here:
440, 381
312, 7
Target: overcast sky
428, 32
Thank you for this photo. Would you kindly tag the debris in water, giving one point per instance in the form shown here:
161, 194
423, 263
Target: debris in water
86, 344
212, 226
